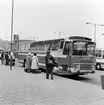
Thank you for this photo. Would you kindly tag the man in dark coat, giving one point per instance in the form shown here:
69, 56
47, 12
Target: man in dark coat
6, 58
49, 64
2, 58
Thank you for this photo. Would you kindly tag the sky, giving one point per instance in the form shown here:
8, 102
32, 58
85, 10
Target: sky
44, 19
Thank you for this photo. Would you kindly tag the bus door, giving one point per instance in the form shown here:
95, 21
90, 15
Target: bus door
65, 47
67, 51
60, 53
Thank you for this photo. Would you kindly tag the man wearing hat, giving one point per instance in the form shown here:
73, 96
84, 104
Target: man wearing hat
49, 64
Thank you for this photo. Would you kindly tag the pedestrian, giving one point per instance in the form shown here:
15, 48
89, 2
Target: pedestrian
2, 57
28, 62
34, 65
49, 64
0, 54
6, 59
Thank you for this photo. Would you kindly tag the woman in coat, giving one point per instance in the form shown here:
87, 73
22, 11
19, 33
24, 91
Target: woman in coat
28, 63
34, 65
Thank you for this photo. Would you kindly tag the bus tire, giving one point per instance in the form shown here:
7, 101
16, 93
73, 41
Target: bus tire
98, 66
75, 76
24, 63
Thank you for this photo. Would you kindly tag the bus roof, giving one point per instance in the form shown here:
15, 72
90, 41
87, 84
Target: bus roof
72, 38
80, 38
25, 42
47, 41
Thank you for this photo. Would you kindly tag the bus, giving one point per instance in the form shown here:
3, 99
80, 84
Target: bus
74, 55
99, 53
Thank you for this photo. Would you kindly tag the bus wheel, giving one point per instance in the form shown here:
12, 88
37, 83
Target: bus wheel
24, 63
74, 76
98, 66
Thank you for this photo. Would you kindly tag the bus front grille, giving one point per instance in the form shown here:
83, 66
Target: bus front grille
85, 66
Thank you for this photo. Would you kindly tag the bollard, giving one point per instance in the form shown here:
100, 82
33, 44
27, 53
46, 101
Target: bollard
102, 81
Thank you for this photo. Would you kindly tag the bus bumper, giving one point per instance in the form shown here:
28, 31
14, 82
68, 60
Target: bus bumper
81, 72
86, 71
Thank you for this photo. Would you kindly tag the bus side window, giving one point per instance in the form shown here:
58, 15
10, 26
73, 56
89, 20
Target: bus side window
47, 46
22, 47
19, 47
55, 46
27, 47
61, 45
33, 47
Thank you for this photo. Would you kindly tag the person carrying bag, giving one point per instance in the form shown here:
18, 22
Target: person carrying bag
49, 64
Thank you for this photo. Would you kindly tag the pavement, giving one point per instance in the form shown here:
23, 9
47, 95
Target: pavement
20, 88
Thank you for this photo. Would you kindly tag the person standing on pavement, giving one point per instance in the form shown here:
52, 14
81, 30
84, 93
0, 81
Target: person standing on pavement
28, 62
2, 57
34, 65
6, 59
49, 64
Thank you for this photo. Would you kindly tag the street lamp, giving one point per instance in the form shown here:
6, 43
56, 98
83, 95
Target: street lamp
94, 29
11, 34
59, 33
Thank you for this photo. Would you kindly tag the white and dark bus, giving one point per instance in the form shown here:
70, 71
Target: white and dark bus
75, 54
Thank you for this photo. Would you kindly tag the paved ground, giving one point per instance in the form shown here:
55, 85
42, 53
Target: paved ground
20, 88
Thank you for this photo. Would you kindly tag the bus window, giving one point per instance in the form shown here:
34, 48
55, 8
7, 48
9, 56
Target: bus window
67, 48
19, 47
61, 44
27, 46
33, 47
55, 46
46, 46
90, 48
40, 46
22, 47
79, 48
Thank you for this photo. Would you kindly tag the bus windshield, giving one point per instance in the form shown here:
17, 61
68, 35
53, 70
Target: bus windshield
91, 48
83, 48
79, 48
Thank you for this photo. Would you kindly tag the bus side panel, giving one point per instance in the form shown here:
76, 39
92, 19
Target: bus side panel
21, 56
41, 57
65, 62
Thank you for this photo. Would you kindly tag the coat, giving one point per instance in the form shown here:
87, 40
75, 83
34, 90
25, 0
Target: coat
28, 62
34, 64
49, 60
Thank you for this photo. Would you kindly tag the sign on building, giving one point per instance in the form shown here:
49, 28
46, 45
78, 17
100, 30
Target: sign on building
16, 38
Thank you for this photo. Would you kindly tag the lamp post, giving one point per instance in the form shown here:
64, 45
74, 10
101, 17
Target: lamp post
94, 29
11, 34
59, 33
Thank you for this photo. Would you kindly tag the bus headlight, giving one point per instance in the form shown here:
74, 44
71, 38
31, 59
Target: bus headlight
77, 67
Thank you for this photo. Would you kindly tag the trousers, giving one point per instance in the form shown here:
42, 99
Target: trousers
49, 70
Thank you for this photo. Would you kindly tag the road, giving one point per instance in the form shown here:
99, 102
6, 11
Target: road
94, 79
89, 78
20, 88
